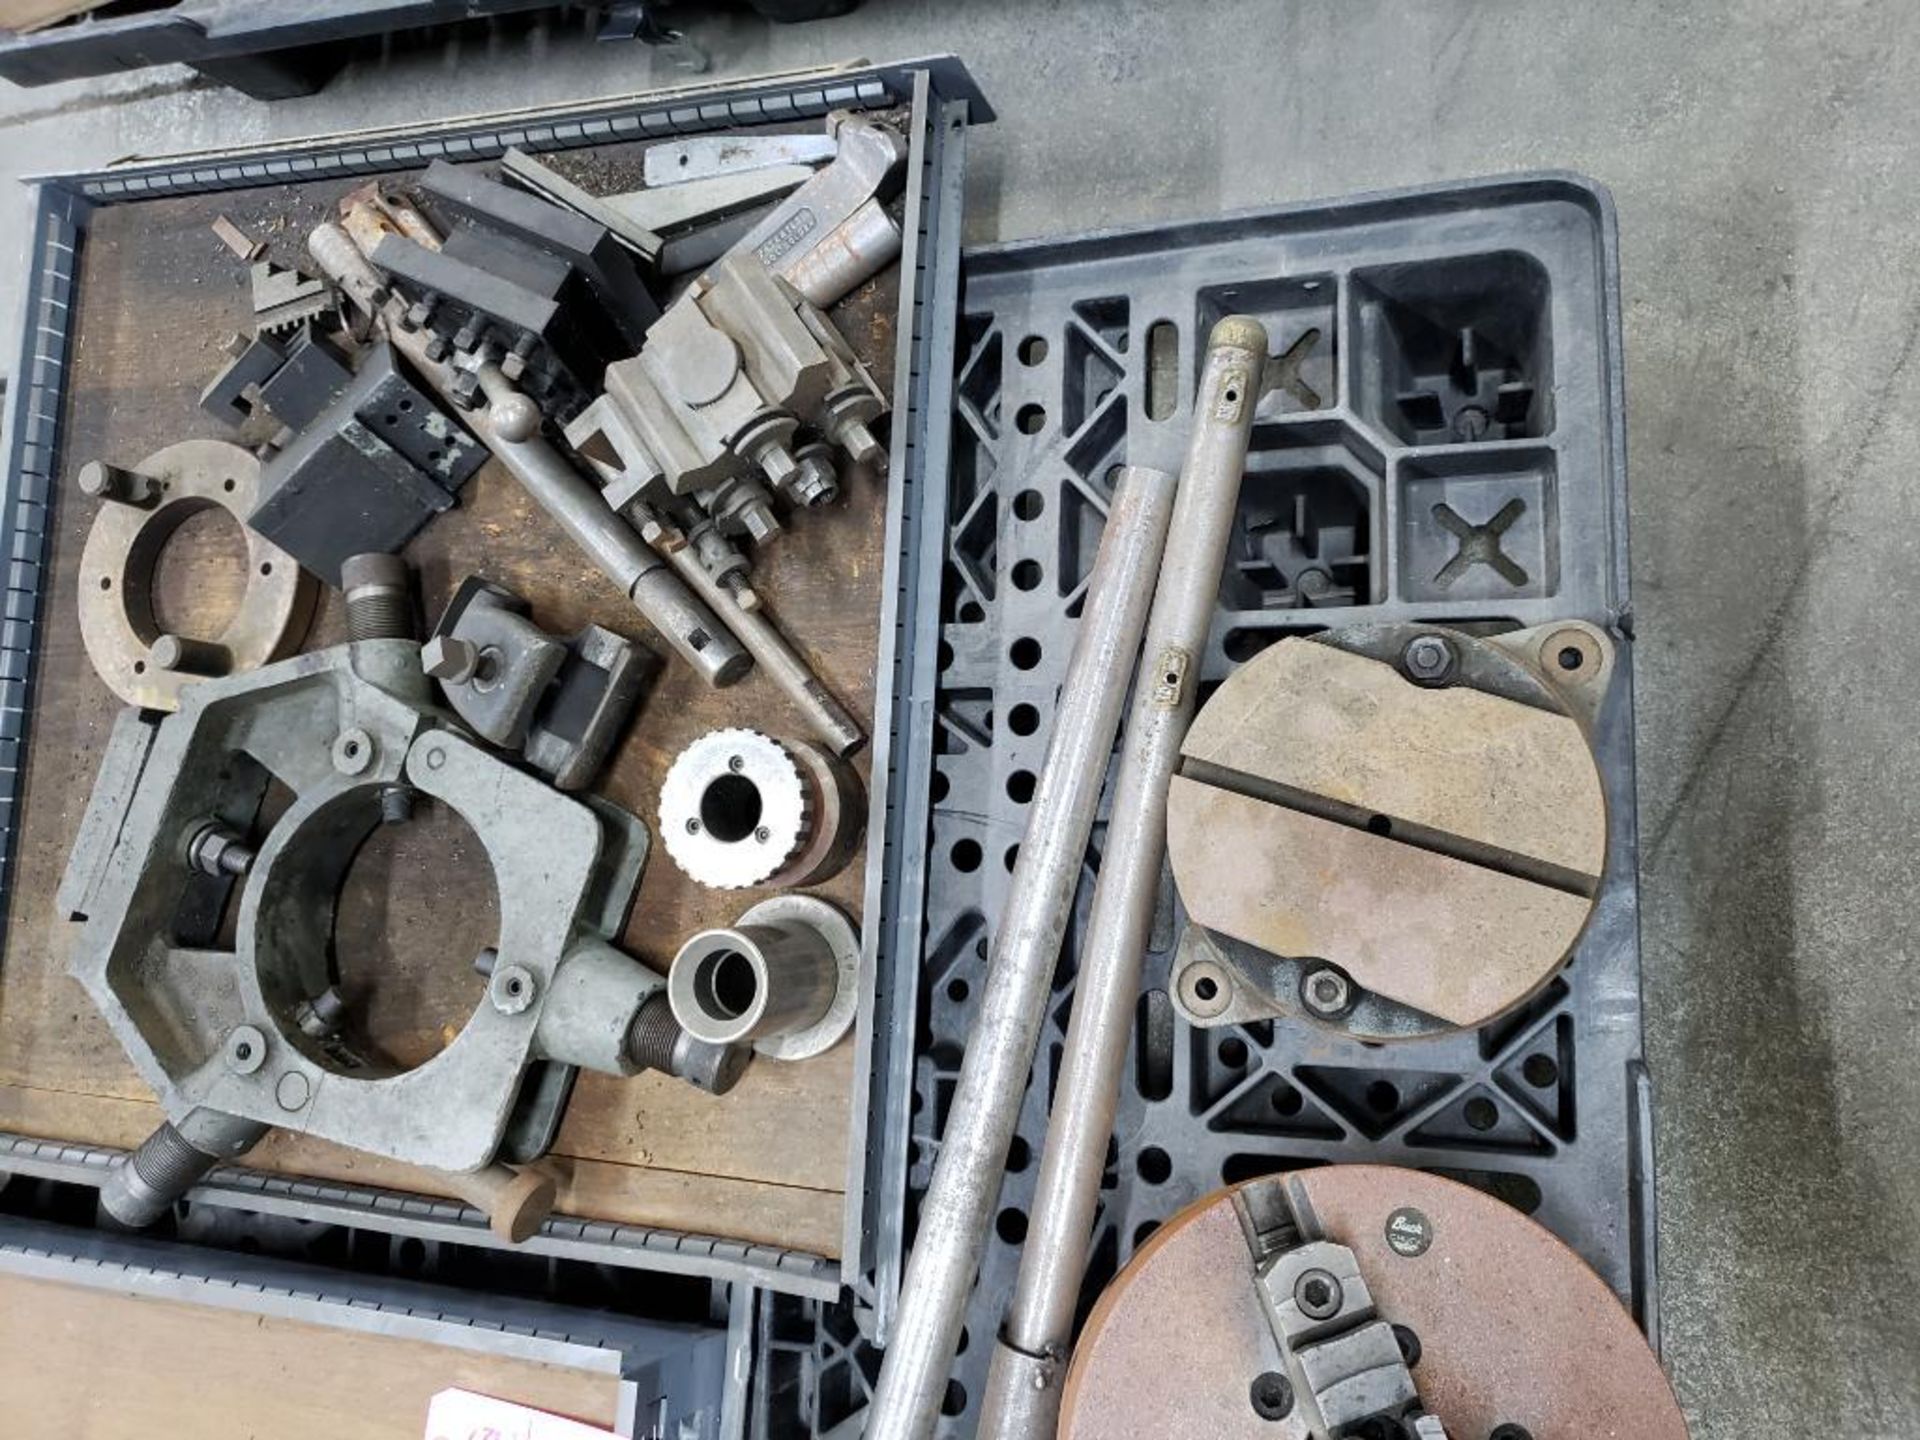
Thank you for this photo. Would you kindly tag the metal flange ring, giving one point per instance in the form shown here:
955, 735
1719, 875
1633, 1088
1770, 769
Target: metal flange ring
122, 552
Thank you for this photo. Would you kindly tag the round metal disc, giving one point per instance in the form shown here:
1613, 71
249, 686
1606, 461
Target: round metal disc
1437, 838
1513, 1328
123, 548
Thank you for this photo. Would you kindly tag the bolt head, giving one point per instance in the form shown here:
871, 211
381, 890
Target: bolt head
246, 1050
449, 659
759, 522
1326, 992
713, 1068
1271, 1396
1318, 1294
1429, 660
511, 988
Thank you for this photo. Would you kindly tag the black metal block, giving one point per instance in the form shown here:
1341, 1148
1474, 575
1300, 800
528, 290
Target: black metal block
375, 463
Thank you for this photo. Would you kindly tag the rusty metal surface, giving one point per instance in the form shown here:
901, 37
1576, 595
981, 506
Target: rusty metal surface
1513, 1328
1445, 936
118, 569
1313, 718
1440, 845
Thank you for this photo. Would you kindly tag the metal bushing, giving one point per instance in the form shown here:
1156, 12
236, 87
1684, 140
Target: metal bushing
138, 662
739, 809
783, 979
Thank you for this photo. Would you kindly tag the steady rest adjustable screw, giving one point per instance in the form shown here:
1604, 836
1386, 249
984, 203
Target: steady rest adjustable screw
1428, 660
216, 850
1326, 992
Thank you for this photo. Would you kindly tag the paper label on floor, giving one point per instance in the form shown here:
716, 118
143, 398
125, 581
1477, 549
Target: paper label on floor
463, 1415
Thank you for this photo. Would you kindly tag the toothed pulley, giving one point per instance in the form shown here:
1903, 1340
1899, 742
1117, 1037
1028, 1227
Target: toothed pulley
739, 809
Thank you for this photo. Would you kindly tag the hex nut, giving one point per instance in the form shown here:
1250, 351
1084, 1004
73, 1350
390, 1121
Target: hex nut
1326, 992
1429, 660
511, 989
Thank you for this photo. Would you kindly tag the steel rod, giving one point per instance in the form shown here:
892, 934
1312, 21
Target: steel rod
1000, 1046
1022, 1400
829, 720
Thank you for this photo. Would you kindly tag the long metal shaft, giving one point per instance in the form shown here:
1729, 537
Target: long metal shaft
826, 717
1022, 1400
508, 423
1000, 1047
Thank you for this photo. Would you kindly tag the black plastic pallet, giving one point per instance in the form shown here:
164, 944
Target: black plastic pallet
1448, 367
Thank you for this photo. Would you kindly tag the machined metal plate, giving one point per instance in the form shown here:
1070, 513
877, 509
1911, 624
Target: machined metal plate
1513, 1329
219, 1026
122, 552
1438, 841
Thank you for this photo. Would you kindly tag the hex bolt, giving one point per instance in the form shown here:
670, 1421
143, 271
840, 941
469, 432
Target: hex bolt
437, 348
465, 390
102, 481
760, 522
449, 659
858, 441
379, 606
1271, 1395
1318, 1294
1428, 660
216, 850
774, 459
396, 804
419, 313
186, 656
466, 337
1326, 992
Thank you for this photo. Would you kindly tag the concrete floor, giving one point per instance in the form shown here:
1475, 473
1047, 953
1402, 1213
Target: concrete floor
1766, 161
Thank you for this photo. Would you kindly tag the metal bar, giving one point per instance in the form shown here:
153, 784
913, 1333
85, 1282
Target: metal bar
1000, 1047
903, 718
1022, 1400
827, 718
